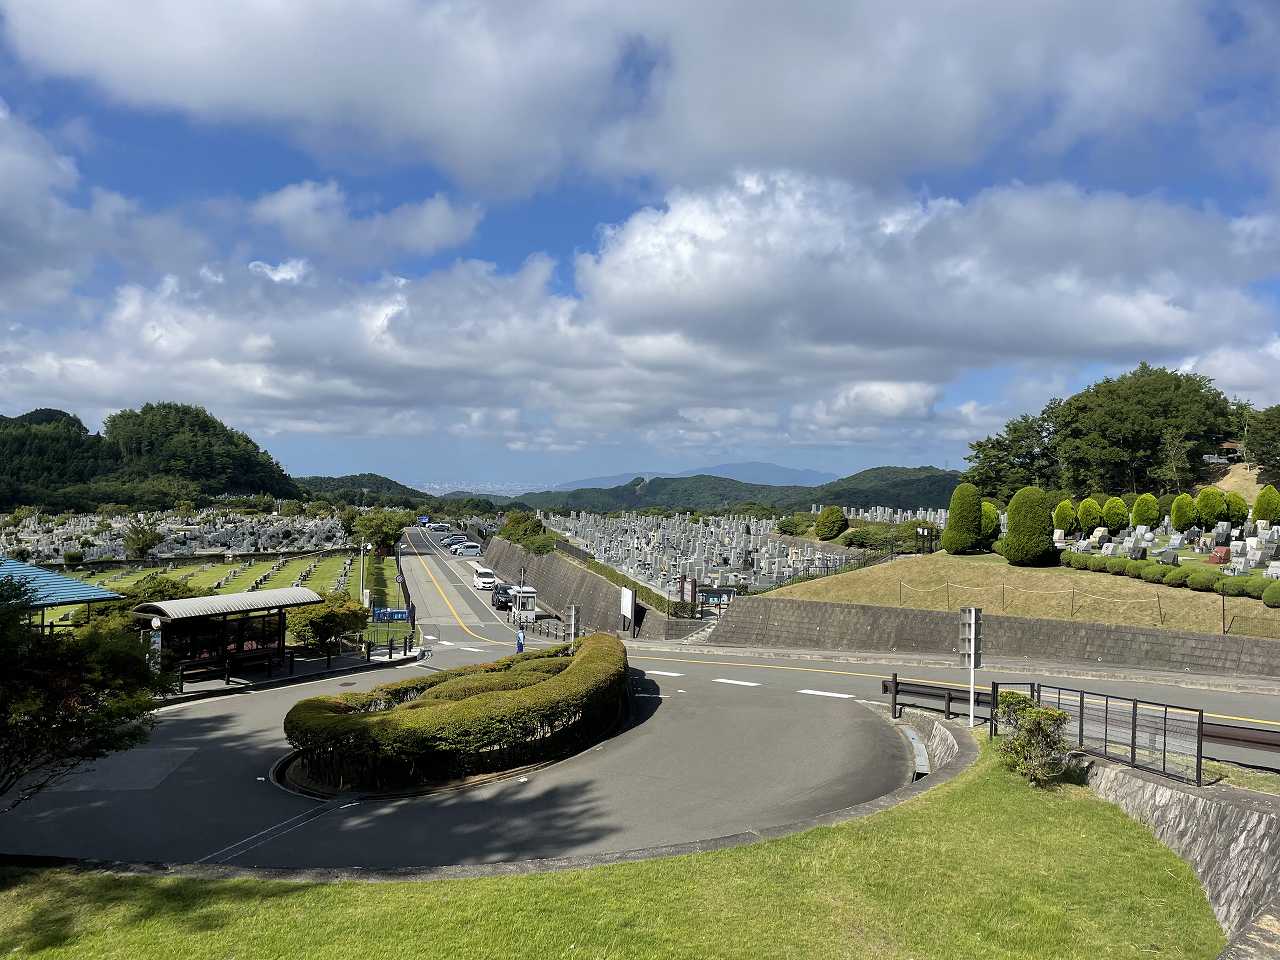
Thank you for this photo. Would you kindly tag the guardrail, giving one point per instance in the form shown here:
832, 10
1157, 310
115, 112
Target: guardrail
1160, 738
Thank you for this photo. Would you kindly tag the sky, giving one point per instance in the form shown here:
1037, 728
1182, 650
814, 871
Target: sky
532, 242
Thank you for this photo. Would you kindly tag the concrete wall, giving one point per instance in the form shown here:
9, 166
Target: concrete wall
1231, 838
561, 583
805, 624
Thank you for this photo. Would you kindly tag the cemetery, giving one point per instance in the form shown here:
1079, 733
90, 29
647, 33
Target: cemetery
745, 554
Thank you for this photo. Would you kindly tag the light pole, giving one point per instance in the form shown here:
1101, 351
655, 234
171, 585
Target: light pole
363, 547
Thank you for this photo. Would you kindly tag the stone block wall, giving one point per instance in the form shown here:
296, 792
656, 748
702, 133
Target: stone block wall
808, 624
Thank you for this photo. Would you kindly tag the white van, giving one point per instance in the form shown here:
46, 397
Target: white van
467, 549
482, 578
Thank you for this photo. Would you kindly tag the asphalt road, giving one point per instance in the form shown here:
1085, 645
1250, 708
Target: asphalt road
715, 748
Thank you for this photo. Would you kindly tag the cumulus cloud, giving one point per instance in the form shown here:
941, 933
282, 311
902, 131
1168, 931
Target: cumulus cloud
669, 89
287, 271
315, 217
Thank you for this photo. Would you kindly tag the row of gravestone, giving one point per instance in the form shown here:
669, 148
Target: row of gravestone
1241, 551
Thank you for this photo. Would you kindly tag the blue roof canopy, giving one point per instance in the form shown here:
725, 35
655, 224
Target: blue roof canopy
53, 589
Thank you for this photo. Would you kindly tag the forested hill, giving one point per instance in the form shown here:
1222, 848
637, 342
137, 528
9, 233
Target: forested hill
881, 486
349, 488
146, 458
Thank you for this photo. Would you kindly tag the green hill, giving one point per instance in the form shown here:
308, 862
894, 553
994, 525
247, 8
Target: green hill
146, 458
880, 486
349, 488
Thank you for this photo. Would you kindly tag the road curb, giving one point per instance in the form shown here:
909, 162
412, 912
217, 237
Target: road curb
276, 682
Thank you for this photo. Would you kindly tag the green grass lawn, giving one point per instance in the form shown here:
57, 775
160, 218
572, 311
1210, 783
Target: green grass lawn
1232, 774
326, 573
379, 580
983, 866
942, 582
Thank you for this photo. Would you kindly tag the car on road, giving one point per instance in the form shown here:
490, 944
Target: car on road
482, 578
451, 540
438, 527
467, 549
501, 598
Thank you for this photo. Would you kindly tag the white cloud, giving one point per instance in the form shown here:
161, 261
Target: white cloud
287, 271
512, 96
315, 217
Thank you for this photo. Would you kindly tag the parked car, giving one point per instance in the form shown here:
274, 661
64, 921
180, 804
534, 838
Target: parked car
438, 527
501, 599
467, 549
451, 540
483, 578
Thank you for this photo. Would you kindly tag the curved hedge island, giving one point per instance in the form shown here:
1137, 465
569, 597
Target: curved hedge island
478, 718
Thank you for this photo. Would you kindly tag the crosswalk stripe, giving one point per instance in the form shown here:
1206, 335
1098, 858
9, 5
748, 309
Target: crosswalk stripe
737, 683
827, 693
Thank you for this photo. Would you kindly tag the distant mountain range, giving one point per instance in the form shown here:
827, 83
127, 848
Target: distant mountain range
904, 487
350, 487
751, 471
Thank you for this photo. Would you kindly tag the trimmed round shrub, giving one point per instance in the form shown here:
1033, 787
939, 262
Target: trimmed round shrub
1115, 515
1077, 561
830, 524
1231, 587
1098, 563
413, 732
1088, 515
1182, 514
990, 528
1177, 576
1237, 508
1146, 511
1117, 566
1135, 568
1064, 516
964, 520
1029, 540
1256, 586
1267, 506
1154, 573
1211, 506
1271, 596
998, 547
1204, 579
1164, 505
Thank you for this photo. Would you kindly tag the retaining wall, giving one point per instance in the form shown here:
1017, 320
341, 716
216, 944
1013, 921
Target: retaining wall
1231, 838
815, 625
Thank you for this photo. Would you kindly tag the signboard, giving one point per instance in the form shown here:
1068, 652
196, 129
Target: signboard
423, 521
154, 654
971, 649
628, 603
390, 615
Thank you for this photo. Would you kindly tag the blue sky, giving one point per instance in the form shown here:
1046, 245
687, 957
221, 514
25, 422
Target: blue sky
480, 242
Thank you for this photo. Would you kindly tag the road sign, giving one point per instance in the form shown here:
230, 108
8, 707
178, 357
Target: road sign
399, 578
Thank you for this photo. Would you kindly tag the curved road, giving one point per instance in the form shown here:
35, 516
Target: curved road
716, 749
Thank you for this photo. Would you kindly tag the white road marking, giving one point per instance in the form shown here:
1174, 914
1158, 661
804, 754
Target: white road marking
471, 649
827, 693
662, 673
736, 683
443, 643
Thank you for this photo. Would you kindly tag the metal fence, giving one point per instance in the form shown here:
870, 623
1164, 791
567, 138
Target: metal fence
1159, 737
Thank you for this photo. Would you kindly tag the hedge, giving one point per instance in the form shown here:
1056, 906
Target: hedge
1064, 516
1115, 515
1029, 539
1271, 596
964, 520
1177, 576
1146, 511
1256, 586
1182, 514
412, 731
1135, 568
1204, 579
1267, 506
1231, 587
1154, 573
1088, 515
1098, 563
1237, 508
1118, 566
989, 529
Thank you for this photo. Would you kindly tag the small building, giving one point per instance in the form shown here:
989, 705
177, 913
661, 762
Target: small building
51, 590
222, 632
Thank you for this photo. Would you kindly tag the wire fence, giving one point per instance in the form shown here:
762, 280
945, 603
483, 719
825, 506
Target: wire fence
1078, 600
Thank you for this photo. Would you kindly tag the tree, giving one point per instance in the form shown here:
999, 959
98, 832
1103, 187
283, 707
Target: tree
1237, 508
830, 524
964, 520
1173, 468
1029, 539
1089, 515
382, 528
1146, 511
795, 525
1267, 506
990, 531
319, 624
1115, 515
1182, 514
1064, 516
1211, 506
67, 698
1264, 438
140, 540
185, 508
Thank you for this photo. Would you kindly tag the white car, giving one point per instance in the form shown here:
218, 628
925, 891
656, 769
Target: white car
467, 549
483, 578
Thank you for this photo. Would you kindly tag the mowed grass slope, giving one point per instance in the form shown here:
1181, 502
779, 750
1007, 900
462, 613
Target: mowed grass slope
983, 866
940, 582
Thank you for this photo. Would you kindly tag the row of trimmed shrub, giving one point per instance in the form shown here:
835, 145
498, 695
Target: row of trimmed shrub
472, 719
1193, 576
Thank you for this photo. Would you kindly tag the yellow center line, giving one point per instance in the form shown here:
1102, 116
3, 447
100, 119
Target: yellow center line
883, 676
440, 590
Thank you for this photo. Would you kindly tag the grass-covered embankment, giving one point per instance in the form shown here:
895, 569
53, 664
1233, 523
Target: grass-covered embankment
981, 866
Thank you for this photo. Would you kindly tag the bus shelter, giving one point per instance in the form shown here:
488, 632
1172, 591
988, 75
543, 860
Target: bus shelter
49, 591
221, 633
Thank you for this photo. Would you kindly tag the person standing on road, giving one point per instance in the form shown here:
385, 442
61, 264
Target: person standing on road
520, 640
